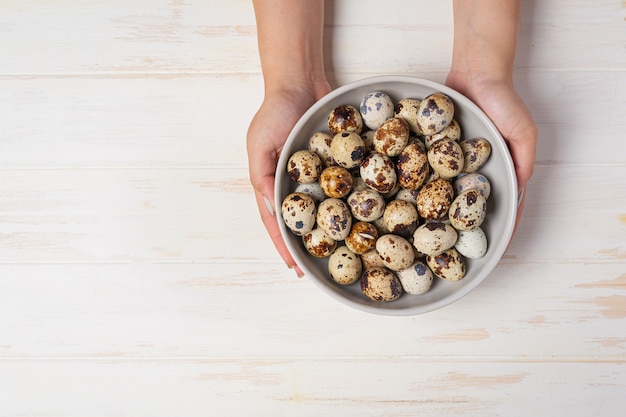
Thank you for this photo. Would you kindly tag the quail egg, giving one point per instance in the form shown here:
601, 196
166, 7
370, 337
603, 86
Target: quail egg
313, 189
320, 144
401, 218
407, 108
473, 180
379, 173
362, 237
336, 181
446, 158
333, 216
392, 136
344, 266
395, 251
476, 152
345, 118
318, 243
448, 265
376, 107
299, 212
435, 113
371, 258
433, 238
366, 205
453, 131
434, 199
472, 243
348, 149
304, 166
380, 284
416, 279
412, 167
468, 210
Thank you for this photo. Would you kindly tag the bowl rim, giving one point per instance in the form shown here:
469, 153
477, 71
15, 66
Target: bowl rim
507, 232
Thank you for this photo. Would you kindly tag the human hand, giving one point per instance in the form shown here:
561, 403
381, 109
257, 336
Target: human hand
266, 137
501, 102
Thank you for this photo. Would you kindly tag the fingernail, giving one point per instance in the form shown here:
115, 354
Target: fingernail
520, 196
269, 205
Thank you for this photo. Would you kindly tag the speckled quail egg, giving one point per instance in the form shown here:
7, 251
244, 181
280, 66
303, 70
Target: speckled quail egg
448, 265
379, 172
344, 266
368, 140
407, 195
333, 216
446, 158
435, 113
407, 108
319, 143
345, 118
371, 259
401, 218
412, 167
416, 279
336, 181
318, 243
376, 107
472, 243
433, 238
366, 205
313, 189
392, 136
476, 152
434, 199
395, 251
362, 237
380, 284
348, 149
304, 166
299, 213
473, 180
468, 210
453, 131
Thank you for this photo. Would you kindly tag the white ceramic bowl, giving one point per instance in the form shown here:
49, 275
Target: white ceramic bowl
501, 207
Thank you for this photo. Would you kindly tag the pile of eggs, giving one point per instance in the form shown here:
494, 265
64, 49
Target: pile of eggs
391, 195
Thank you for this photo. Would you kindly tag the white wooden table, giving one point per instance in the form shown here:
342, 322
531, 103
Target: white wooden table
136, 278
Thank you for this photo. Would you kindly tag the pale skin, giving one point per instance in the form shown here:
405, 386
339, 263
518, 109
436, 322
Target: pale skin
292, 61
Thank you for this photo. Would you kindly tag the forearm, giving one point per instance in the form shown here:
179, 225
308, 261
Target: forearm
290, 37
485, 37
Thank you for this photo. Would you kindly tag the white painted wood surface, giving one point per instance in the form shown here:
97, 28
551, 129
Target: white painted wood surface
136, 278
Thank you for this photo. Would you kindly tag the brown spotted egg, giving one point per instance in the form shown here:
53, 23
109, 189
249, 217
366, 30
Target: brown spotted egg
448, 265
318, 243
412, 166
473, 180
333, 217
304, 166
395, 251
345, 118
313, 189
468, 210
299, 213
371, 259
336, 181
453, 131
379, 172
366, 205
434, 199
407, 108
392, 136
319, 143
380, 284
446, 158
416, 279
344, 266
476, 152
401, 218
433, 238
376, 107
362, 237
348, 149
435, 113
